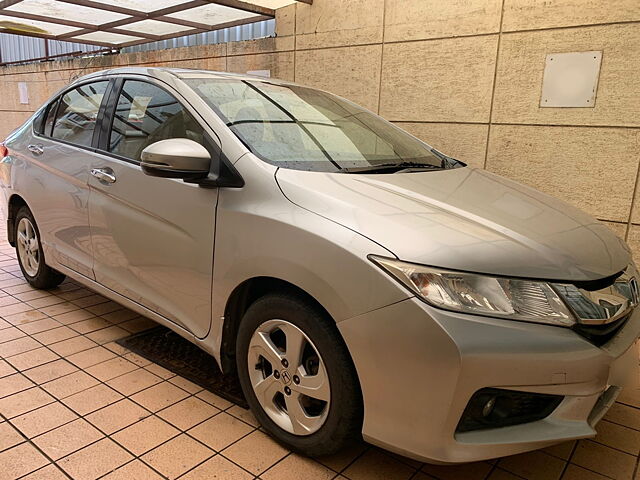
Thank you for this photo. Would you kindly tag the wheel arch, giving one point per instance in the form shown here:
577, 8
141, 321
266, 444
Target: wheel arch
241, 299
15, 203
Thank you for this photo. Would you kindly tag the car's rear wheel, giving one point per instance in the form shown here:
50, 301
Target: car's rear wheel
30, 253
297, 375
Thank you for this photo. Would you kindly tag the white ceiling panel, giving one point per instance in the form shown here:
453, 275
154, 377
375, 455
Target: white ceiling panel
66, 11
106, 37
15, 24
212, 14
155, 27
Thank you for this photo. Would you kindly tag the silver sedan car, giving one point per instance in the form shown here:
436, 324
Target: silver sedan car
359, 283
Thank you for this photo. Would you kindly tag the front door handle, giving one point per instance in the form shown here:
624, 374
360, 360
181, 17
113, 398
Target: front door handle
36, 149
105, 175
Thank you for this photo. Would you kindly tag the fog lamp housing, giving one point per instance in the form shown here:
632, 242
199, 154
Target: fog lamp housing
496, 407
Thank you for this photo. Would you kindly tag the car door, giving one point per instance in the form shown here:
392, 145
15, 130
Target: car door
61, 154
152, 237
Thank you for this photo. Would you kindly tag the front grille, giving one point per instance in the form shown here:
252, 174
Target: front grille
600, 334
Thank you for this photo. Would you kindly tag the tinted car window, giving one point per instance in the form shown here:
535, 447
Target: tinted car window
48, 120
77, 113
146, 114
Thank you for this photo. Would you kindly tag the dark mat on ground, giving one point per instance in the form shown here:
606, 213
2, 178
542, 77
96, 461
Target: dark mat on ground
171, 351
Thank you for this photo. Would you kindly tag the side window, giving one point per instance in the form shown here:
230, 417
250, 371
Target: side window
77, 113
48, 120
146, 114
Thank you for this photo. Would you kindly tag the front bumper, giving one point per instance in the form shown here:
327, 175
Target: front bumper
418, 367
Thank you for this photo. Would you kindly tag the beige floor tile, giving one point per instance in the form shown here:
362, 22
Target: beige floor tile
243, 414
134, 381
220, 431
111, 368
13, 384
93, 356
74, 316
137, 359
31, 295
40, 326
219, 468
68, 385
499, 474
43, 419
575, 472
624, 415
617, 436
6, 369
75, 294
604, 460
9, 436
23, 402
344, 457
117, 348
11, 333
376, 465
117, 415
145, 435
68, 438
58, 309
49, 472
89, 301
159, 396
214, 399
95, 460
32, 358
20, 460
90, 325
120, 316
24, 318
107, 335
188, 412
562, 450
15, 308
160, 371
295, 467
534, 465
135, 470
4, 324
92, 399
138, 324
256, 452
55, 335
177, 456
50, 371
17, 346
104, 308
185, 384
72, 345
467, 471
45, 301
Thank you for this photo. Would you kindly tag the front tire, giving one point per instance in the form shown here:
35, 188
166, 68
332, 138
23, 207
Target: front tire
31, 255
297, 375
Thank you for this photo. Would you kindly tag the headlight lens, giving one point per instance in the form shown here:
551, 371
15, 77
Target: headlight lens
512, 298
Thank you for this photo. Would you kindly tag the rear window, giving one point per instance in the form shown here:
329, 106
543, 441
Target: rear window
77, 113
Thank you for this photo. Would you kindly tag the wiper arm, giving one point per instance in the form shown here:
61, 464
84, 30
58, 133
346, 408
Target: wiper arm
388, 167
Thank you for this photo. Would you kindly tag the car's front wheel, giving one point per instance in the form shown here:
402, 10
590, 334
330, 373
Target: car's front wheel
30, 253
297, 375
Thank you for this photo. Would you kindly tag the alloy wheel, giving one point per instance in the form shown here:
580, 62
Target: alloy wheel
28, 247
289, 377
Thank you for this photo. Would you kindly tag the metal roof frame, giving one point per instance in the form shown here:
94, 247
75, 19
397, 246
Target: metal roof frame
258, 13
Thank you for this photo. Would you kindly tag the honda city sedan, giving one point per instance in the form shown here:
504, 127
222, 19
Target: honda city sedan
357, 281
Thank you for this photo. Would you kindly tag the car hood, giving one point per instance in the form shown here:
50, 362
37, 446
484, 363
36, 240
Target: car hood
464, 219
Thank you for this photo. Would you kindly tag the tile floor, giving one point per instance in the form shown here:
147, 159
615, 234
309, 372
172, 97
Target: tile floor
74, 404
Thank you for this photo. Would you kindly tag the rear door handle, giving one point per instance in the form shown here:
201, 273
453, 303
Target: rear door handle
36, 149
105, 175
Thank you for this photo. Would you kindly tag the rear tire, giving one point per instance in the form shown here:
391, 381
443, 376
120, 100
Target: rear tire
331, 415
31, 255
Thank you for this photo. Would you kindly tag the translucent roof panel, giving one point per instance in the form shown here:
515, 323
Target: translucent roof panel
66, 11
16, 25
271, 3
155, 27
145, 6
106, 37
212, 14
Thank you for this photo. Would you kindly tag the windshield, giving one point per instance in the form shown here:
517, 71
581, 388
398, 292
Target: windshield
306, 129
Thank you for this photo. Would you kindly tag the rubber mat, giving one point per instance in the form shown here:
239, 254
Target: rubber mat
171, 351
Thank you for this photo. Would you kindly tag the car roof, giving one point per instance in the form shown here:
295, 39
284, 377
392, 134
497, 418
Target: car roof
182, 73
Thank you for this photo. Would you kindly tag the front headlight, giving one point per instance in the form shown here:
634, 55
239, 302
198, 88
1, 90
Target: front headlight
512, 298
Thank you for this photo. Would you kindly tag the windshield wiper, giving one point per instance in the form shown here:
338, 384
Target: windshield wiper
391, 167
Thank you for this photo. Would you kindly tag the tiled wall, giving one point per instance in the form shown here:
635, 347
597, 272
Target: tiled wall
465, 75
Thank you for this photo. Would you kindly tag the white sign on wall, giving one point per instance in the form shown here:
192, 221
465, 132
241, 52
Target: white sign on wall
571, 79
23, 92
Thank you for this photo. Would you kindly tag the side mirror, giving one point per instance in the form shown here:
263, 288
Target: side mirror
176, 158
